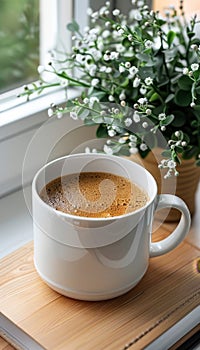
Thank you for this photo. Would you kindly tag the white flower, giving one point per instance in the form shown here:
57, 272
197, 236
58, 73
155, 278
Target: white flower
120, 48
107, 24
102, 69
111, 98
194, 67
137, 15
136, 82
140, 3
108, 70
120, 32
121, 69
86, 100
73, 115
50, 112
95, 15
105, 34
194, 47
143, 147
148, 111
145, 125
93, 99
163, 128
86, 29
80, 58
106, 57
102, 10
111, 132
133, 138
92, 69
87, 149
148, 44
171, 164
122, 96
148, 81
59, 114
136, 117
177, 133
40, 69
95, 82
100, 45
142, 100
133, 71
185, 71
114, 55
127, 65
143, 90
116, 12
97, 55
133, 150
89, 11
128, 122
107, 149
162, 116
121, 140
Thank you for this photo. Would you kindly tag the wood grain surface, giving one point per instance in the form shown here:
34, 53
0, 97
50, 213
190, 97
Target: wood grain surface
169, 290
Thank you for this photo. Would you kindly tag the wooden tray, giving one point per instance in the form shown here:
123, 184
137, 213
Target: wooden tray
169, 290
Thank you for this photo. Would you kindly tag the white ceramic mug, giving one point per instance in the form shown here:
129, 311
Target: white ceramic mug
99, 258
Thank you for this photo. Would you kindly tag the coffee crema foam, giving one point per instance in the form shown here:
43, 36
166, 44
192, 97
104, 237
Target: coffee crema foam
94, 194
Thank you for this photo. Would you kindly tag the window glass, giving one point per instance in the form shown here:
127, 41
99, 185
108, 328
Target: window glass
19, 42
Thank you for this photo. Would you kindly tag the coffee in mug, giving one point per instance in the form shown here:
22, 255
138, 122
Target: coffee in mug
94, 194
96, 258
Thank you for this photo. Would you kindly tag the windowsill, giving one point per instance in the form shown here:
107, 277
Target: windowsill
29, 114
15, 223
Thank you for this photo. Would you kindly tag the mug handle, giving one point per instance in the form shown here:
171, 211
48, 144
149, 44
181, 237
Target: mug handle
166, 245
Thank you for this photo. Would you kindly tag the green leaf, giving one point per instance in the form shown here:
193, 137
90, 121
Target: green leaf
83, 113
179, 149
124, 151
197, 107
125, 82
102, 131
190, 34
98, 94
167, 120
196, 74
183, 98
190, 153
185, 83
73, 26
180, 119
170, 37
89, 122
97, 106
98, 119
169, 98
154, 97
69, 104
166, 153
108, 120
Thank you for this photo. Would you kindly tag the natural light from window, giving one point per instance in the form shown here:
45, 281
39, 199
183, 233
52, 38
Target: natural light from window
19, 42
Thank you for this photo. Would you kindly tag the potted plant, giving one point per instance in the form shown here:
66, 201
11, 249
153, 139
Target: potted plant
140, 83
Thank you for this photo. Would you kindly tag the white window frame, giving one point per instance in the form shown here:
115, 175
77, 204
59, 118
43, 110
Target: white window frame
19, 122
